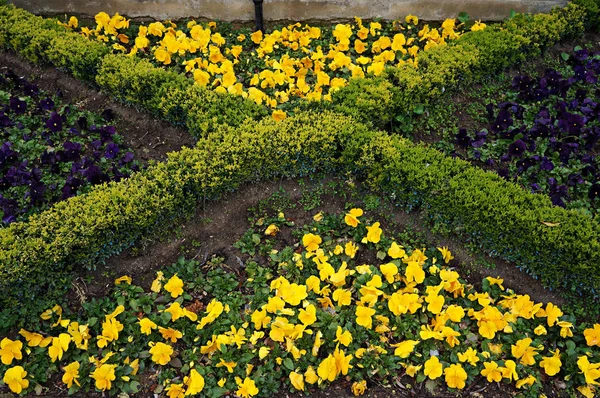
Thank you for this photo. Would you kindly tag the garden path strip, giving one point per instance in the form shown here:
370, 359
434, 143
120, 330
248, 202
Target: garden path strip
151, 138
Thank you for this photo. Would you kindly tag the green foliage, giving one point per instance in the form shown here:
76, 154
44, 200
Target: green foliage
233, 148
545, 30
76, 54
43, 40
202, 110
136, 81
496, 49
500, 217
461, 61
166, 93
592, 8
367, 99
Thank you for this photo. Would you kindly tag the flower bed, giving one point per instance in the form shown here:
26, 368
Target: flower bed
307, 315
51, 151
499, 217
544, 133
372, 100
280, 66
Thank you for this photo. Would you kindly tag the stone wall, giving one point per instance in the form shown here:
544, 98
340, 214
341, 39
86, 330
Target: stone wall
290, 10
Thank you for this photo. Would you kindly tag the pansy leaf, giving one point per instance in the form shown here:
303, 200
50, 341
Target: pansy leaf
134, 386
176, 363
288, 364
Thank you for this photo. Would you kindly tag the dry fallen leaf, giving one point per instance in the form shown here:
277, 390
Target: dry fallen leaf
550, 224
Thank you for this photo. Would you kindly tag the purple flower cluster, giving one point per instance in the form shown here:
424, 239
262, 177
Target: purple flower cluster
546, 137
50, 151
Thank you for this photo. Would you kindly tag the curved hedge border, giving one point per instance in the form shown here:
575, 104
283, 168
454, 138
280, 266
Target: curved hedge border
497, 215
459, 63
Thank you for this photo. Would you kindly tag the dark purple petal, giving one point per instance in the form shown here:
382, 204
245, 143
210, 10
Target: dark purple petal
46, 104
127, 158
30, 89
517, 148
18, 106
108, 115
54, 123
96, 144
462, 138
112, 150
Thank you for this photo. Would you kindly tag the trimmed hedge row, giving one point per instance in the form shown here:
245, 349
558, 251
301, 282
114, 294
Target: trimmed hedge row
43, 40
498, 216
173, 96
459, 63
592, 8
129, 79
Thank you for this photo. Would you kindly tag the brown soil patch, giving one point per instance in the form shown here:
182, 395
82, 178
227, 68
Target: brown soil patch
149, 137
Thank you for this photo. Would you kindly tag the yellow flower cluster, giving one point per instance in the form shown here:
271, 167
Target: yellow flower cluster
292, 62
324, 317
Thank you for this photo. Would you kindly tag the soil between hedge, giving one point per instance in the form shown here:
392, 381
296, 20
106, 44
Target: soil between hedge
149, 137
217, 225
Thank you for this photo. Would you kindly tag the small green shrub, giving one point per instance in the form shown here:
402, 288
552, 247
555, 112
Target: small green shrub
367, 100
201, 110
592, 8
135, 81
498, 216
545, 30
77, 54
461, 61
497, 49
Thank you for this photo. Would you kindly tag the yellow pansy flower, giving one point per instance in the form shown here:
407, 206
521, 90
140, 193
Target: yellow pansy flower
279, 115
71, 374
174, 286
15, 379
455, 376
351, 218
161, 353
343, 337
551, 364
124, 278
10, 350
104, 376
491, 371
146, 326
433, 368
246, 388
311, 242
297, 380
405, 348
